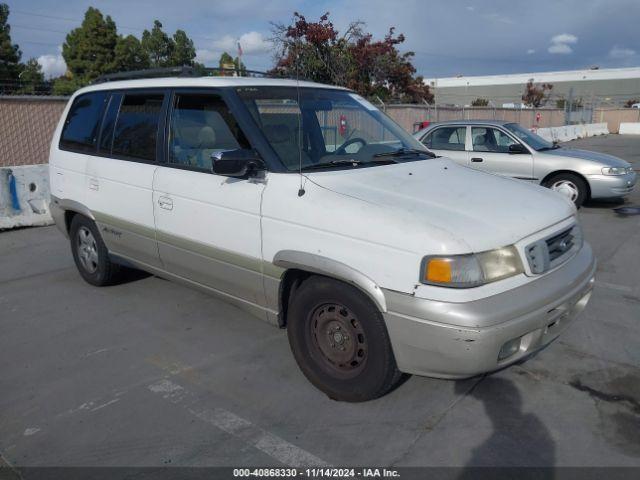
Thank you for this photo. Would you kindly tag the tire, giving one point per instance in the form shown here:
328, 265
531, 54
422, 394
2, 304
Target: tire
90, 253
570, 184
340, 341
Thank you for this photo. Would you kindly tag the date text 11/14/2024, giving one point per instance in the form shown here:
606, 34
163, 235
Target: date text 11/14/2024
320, 472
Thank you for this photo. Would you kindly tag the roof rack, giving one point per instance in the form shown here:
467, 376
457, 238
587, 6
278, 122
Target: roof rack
183, 71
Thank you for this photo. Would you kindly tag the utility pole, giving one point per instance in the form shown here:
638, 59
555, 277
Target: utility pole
567, 108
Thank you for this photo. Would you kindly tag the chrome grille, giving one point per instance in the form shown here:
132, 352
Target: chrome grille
559, 244
554, 250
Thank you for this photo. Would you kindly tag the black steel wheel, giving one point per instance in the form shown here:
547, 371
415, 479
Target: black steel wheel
340, 341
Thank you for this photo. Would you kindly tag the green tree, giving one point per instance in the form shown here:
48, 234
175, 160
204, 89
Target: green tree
226, 60
536, 95
480, 102
130, 55
158, 45
89, 50
66, 85
10, 54
184, 52
32, 79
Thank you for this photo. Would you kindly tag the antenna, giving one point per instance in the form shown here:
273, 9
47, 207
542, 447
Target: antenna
301, 191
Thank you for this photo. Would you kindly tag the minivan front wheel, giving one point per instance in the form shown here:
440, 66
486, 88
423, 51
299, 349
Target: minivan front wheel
340, 342
90, 253
570, 185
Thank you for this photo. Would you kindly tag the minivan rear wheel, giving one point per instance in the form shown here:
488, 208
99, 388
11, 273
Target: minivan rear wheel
570, 185
340, 341
90, 253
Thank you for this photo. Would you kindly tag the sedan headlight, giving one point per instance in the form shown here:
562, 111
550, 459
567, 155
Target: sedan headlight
471, 270
616, 170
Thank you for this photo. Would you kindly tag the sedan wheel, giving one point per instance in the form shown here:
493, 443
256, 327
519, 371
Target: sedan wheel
571, 185
567, 188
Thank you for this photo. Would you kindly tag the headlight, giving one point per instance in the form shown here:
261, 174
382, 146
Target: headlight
615, 170
471, 270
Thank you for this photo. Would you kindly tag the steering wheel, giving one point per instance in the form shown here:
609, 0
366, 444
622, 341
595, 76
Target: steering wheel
342, 149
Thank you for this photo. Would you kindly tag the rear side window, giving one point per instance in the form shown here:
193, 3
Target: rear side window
80, 131
136, 128
446, 138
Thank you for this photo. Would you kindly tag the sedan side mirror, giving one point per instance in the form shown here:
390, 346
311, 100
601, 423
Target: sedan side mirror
517, 148
236, 163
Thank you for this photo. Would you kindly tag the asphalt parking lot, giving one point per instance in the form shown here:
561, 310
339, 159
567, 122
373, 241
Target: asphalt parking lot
150, 373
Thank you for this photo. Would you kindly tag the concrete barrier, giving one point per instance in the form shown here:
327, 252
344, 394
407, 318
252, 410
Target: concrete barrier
24, 196
629, 128
571, 132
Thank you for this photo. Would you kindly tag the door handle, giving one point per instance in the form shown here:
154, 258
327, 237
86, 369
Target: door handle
94, 184
477, 159
165, 202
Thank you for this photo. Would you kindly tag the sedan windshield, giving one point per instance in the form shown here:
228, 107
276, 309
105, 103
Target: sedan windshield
534, 141
316, 128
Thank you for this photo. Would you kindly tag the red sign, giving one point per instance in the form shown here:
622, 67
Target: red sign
343, 125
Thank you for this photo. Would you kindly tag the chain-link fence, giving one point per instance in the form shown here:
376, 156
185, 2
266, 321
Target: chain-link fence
26, 127
27, 122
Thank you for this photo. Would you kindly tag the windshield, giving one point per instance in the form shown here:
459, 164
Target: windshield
534, 141
326, 128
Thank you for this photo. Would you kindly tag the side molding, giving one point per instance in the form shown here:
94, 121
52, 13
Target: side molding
325, 266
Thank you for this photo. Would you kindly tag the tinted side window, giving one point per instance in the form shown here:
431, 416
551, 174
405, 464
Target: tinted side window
490, 140
136, 129
201, 125
109, 123
449, 138
426, 140
80, 131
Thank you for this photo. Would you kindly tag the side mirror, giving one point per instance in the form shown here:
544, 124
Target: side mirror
517, 148
236, 163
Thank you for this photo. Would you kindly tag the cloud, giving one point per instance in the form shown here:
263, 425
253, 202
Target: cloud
560, 44
564, 38
621, 52
253, 43
531, 51
52, 65
561, 48
497, 17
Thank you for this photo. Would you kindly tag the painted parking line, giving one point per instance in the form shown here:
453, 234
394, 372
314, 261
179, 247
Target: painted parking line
268, 443
614, 286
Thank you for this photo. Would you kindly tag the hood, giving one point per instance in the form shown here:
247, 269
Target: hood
483, 210
597, 157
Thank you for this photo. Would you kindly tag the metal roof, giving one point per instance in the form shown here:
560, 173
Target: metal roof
538, 77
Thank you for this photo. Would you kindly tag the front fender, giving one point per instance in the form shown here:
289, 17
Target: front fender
325, 266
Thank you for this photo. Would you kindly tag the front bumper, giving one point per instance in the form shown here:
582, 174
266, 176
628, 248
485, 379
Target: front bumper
610, 186
460, 340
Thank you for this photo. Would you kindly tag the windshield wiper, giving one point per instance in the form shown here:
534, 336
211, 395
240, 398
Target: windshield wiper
402, 152
333, 163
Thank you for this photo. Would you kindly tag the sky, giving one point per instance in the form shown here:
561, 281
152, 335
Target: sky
449, 38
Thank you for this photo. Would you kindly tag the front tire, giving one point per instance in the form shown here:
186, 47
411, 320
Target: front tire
90, 253
340, 341
571, 185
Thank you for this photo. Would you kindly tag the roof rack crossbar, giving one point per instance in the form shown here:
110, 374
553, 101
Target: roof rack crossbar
183, 71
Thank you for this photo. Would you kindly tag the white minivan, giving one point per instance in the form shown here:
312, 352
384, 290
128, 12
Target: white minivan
307, 206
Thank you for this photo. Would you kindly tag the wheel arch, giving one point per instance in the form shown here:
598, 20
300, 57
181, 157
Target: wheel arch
300, 265
571, 172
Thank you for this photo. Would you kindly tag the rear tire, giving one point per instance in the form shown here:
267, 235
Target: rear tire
91, 255
571, 185
340, 341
